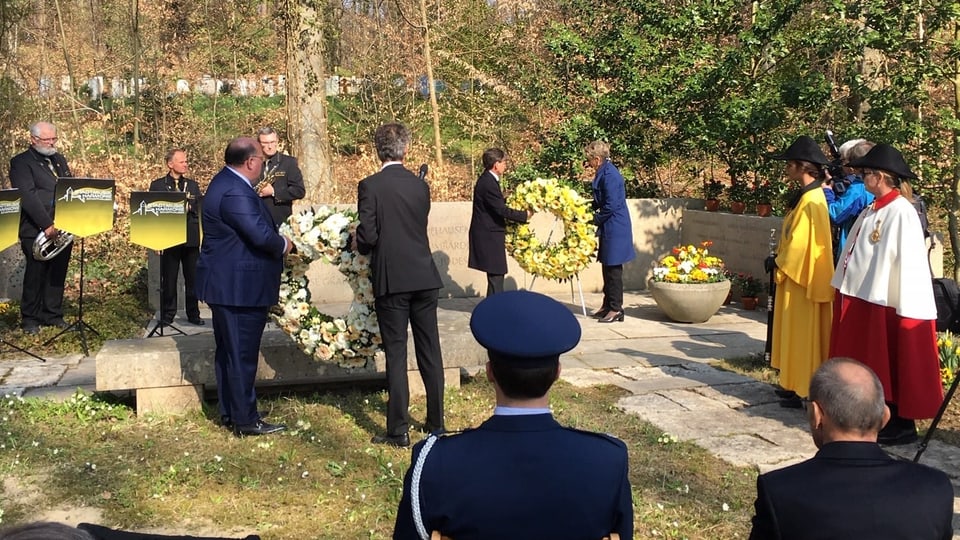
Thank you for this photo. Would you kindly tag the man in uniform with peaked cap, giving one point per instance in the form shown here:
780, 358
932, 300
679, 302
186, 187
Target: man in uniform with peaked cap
520, 474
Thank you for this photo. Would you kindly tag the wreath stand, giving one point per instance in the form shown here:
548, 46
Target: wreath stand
573, 298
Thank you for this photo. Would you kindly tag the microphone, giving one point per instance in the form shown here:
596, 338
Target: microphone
423, 171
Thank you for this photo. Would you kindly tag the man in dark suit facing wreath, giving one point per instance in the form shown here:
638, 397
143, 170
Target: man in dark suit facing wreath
186, 254
238, 276
851, 489
488, 222
520, 474
35, 172
281, 177
394, 206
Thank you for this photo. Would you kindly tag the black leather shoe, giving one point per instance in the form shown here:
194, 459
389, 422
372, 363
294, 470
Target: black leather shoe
613, 316
792, 402
196, 320
898, 438
227, 422
600, 313
898, 431
60, 323
400, 441
428, 428
260, 428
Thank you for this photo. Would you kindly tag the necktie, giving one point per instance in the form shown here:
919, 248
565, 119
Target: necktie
53, 170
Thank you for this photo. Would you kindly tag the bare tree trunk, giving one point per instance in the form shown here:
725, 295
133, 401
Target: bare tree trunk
73, 93
953, 202
431, 87
307, 98
135, 31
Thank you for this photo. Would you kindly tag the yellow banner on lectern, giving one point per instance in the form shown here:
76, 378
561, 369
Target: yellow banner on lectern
9, 217
158, 219
84, 206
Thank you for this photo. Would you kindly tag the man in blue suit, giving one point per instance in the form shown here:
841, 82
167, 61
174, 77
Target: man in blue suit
520, 474
238, 276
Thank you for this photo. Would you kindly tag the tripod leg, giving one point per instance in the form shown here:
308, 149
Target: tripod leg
24, 351
936, 419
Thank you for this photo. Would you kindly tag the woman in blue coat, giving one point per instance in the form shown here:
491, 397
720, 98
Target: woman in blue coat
612, 218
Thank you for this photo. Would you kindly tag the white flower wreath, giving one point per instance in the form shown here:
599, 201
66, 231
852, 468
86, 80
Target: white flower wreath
559, 260
353, 341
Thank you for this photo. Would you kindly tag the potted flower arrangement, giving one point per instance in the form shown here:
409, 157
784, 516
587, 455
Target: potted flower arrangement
763, 194
712, 189
749, 287
689, 284
949, 347
739, 193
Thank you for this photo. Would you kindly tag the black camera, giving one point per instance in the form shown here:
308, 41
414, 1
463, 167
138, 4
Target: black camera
835, 167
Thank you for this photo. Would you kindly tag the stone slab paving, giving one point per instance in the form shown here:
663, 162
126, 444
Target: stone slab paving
663, 365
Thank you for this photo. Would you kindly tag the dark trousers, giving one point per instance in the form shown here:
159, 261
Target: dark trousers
612, 287
42, 298
237, 332
171, 261
494, 284
394, 311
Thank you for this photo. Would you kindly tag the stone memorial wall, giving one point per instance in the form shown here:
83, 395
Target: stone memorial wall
743, 241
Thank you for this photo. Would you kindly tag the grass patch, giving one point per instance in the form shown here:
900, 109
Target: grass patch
321, 479
752, 365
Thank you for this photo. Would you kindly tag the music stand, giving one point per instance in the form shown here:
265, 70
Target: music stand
9, 226
158, 329
158, 220
78, 325
84, 206
21, 349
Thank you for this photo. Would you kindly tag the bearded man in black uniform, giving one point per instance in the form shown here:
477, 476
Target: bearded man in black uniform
35, 173
280, 176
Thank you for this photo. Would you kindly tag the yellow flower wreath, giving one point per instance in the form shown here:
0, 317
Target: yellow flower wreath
559, 260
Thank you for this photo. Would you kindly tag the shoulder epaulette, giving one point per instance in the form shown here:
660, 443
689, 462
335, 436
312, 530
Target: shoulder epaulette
604, 436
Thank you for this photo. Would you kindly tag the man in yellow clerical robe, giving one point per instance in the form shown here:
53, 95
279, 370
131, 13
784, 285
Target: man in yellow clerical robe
803, 307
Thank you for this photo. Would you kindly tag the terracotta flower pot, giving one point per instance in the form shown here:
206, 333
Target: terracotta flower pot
749, 302
712, 205
738, 207
689, 302
764, 209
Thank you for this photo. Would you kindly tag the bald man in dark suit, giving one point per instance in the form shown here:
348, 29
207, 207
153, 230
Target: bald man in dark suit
851, 490
394, 206
238, 276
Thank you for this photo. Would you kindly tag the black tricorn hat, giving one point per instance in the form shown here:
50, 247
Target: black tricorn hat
803, 149
885, 158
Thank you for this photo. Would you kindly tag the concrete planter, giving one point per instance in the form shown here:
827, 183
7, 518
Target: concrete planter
689, 302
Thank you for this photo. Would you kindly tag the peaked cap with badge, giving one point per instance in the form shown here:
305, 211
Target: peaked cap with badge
525, 328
